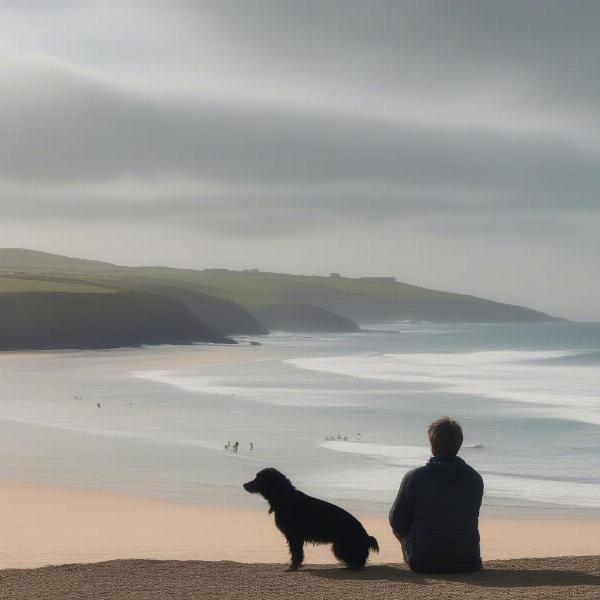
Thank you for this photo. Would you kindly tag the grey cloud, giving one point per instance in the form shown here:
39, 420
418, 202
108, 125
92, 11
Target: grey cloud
547, 46
73, 127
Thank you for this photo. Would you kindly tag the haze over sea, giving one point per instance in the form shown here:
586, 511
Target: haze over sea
528, 397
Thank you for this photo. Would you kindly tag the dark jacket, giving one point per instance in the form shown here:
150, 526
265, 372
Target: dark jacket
437, 513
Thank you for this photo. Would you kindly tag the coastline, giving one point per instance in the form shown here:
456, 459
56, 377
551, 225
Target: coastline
180, 355
46, 525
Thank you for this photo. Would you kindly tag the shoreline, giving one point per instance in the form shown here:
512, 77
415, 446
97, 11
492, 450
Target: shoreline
48, 525
208, 353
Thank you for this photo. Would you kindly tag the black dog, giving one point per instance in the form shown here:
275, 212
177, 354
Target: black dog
304, 519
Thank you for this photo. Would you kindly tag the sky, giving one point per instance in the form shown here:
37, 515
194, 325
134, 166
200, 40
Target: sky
454, 145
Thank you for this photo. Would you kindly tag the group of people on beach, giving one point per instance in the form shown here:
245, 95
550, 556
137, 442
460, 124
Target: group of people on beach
236, 446
98, 405
340, 438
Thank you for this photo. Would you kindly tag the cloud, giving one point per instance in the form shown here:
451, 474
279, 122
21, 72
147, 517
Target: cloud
467, 121
68, 127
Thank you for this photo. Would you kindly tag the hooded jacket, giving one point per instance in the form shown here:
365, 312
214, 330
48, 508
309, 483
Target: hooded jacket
437, 513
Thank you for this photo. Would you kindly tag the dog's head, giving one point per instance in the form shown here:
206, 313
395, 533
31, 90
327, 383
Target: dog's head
267, 482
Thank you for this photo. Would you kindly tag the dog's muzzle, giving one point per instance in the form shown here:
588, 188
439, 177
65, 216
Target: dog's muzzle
250, 487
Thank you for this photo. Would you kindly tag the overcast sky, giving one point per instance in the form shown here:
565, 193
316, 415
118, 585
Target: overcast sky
454, 145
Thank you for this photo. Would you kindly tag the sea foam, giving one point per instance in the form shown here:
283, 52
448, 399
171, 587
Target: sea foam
275, 395
395, 460
566, 391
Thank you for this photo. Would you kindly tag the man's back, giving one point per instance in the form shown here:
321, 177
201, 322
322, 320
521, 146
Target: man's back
437, 513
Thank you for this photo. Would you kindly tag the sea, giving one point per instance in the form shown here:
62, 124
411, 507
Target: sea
344, 416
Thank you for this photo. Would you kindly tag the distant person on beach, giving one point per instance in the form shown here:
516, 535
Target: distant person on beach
235, 447
436, 513
251, 446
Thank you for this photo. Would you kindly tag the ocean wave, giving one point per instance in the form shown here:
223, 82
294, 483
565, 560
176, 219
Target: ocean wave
547, 491
394, 454
512, 486
576, 358
527, 377
406, 456
279, 396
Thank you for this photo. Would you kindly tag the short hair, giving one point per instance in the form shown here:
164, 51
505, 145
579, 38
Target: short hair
445, 436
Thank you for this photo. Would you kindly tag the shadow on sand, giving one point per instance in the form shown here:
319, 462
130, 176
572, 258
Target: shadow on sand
372, 573
502, 578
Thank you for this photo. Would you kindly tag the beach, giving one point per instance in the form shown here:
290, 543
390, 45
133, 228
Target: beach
165, 550
115, 481
535, 579
47, 525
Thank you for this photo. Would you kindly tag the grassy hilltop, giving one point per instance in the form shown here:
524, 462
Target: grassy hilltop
71, 302
365, 300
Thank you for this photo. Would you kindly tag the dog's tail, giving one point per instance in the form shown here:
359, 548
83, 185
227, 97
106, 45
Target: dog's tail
373, 545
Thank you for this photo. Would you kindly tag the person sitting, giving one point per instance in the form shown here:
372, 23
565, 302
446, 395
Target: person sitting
436, 513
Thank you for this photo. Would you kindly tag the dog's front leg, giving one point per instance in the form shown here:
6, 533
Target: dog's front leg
296, 545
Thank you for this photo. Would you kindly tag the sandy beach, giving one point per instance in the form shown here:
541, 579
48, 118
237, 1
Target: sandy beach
535, 579
227, 553
45, 525
156, 357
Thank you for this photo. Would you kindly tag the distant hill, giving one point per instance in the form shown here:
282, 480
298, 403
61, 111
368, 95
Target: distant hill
207, 293
65, 320
28, 261
227, 316
303, 318
43, 313
364, 300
